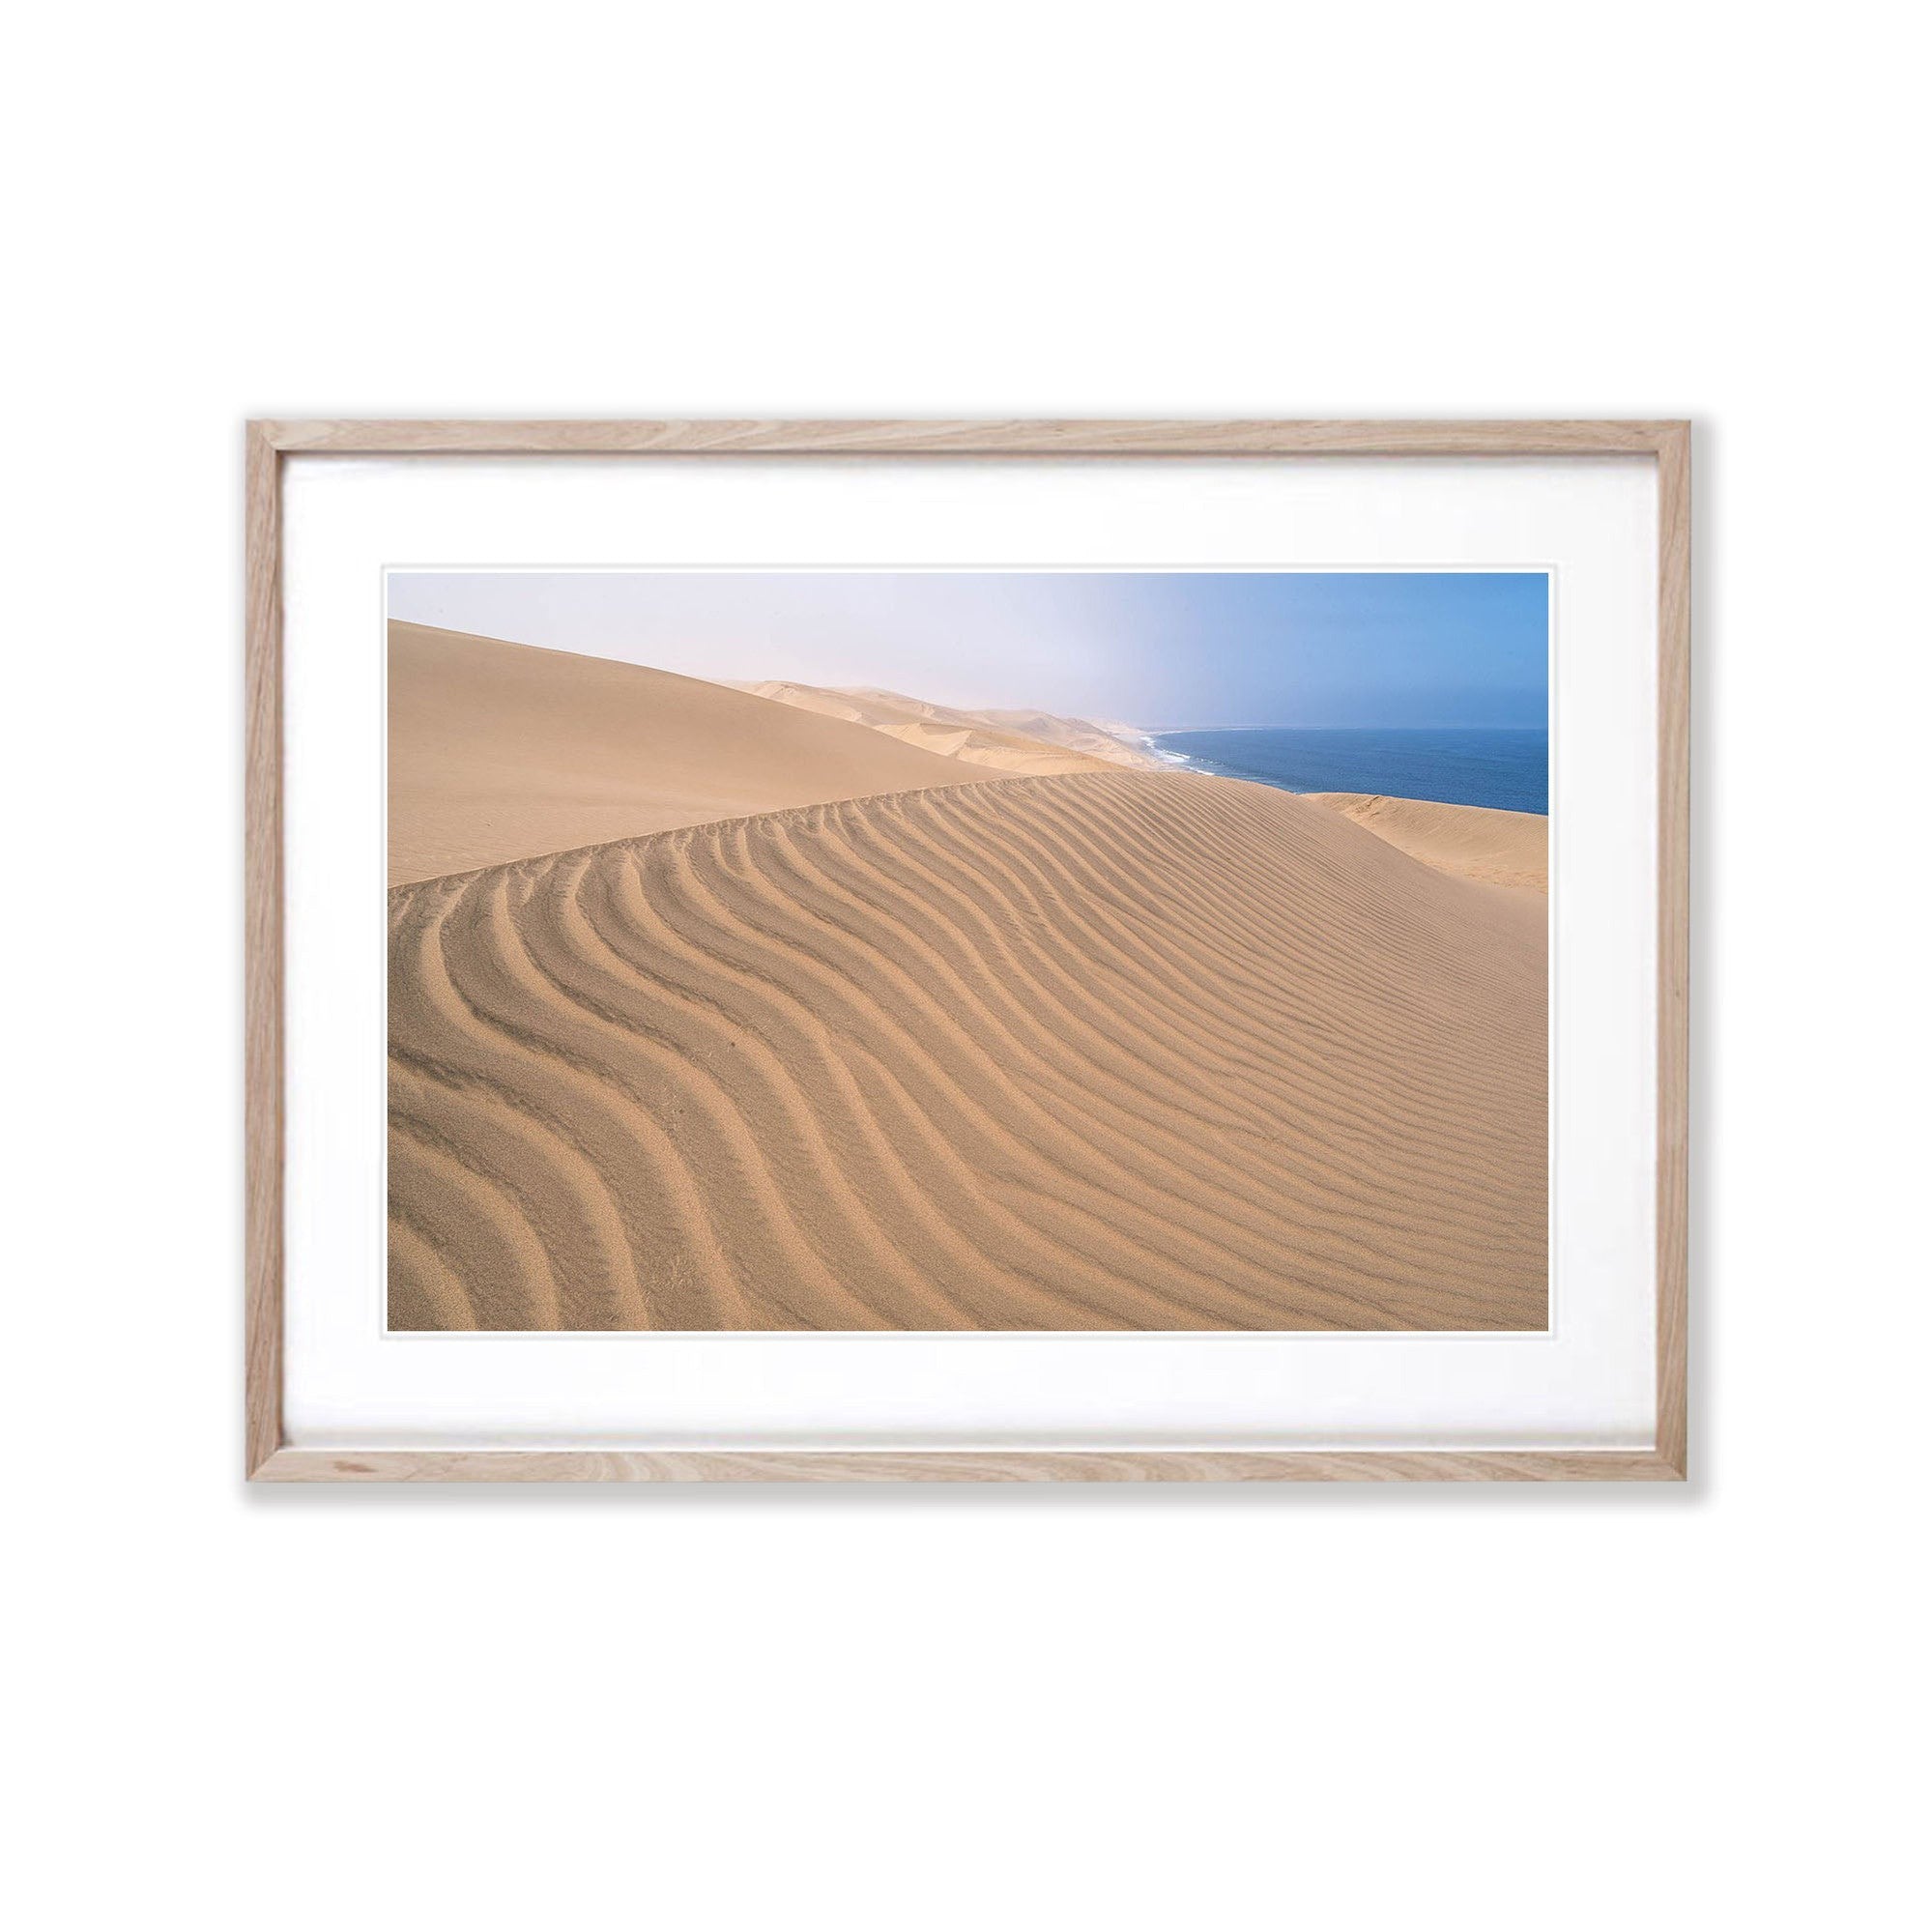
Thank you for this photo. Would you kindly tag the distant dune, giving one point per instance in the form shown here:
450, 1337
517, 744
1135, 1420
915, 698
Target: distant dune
1100, 737
1035, 743
498, 751
1098, 1050
1471, 841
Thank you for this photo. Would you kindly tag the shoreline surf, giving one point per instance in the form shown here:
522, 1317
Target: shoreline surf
1498, 769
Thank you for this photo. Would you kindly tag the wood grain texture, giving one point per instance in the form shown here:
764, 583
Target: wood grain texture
964, 1465
269, 1459
938, 438
263, 965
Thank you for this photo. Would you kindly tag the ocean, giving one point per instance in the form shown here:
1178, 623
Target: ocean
1509, 770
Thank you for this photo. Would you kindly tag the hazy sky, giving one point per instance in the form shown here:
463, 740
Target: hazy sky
1150, 649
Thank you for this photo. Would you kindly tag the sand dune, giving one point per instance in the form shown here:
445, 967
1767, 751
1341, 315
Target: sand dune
1101, 1050
498, 751
1112, 744
1035, 743
1471, 841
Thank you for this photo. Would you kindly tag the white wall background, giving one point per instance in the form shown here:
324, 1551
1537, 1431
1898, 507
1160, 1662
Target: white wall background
904, 1709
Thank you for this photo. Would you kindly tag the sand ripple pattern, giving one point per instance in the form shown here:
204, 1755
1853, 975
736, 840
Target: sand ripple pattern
1107, 1050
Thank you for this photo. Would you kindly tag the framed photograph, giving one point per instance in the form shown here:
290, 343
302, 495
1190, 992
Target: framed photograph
951, 951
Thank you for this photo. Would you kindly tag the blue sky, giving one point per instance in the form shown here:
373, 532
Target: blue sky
1151, 648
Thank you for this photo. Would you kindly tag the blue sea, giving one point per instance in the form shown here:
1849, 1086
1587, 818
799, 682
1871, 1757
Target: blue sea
1509, 770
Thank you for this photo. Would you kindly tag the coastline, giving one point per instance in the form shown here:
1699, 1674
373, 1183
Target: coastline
1502, 768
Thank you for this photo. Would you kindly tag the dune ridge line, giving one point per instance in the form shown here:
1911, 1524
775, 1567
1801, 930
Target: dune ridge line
1103, 1048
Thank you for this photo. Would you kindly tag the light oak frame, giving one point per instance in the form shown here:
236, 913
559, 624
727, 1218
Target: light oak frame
269, 1458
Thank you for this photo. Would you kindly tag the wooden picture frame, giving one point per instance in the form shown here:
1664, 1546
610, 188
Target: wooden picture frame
269, 1457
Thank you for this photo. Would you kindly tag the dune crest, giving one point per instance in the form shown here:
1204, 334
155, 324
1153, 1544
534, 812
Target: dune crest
499, 751
1475, 842
1034, 743
1102, 1050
